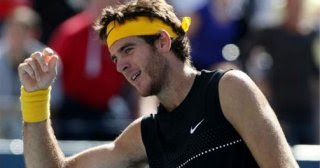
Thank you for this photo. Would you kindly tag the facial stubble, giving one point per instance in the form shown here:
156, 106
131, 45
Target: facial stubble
157, 69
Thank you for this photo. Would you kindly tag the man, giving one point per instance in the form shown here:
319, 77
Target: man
205, 119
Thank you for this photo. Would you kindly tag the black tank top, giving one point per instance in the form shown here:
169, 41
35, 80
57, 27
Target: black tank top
195, 134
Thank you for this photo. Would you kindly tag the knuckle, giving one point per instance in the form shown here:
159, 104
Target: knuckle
27, 60
20, 66
48, 51
36, 54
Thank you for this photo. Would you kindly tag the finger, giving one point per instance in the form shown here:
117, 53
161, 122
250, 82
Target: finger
24, 68
53, 62
35, 68
27, 60
47, 53
40, 59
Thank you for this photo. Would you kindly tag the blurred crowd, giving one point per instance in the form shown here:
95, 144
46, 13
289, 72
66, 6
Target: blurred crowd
277, 42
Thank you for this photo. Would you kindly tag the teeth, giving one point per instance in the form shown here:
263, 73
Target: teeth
135, 76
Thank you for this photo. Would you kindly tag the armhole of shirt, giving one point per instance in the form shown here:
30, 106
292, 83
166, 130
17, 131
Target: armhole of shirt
148, 134
146, 124
212, 96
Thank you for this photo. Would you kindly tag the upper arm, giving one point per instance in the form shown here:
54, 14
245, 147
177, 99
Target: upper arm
246, 108
127, 150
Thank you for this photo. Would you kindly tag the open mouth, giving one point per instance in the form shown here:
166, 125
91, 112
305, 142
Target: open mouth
135, 76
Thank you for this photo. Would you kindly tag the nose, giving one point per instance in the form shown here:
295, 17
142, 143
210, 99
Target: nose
122, 65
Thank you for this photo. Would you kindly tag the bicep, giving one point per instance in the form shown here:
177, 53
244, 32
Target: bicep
246, 108
127, 150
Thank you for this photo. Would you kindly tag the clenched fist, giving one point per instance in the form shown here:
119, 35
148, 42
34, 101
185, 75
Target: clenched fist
39, 70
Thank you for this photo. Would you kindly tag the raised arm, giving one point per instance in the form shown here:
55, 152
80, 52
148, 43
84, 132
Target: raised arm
40, 145
246, 108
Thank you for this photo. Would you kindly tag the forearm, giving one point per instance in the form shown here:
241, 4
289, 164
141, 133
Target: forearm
40, 146
269, 145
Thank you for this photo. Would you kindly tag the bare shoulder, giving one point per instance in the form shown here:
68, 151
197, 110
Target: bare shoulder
234, 79
239, 95
127, 150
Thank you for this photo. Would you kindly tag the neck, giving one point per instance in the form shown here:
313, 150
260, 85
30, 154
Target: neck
179, 82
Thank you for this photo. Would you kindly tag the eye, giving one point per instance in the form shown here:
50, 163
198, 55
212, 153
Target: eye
128, 50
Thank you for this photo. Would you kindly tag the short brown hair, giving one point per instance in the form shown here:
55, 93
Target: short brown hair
151, 8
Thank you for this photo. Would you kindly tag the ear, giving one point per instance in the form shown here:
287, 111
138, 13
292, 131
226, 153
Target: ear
163, 44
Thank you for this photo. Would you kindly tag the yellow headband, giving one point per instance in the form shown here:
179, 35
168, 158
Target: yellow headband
141, 25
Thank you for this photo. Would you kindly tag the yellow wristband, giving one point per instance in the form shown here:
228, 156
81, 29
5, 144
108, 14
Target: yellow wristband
35, 106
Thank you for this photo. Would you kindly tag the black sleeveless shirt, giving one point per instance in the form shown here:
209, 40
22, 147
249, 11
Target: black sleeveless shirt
195, 134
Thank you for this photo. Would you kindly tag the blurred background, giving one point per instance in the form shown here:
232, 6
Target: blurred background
277, 42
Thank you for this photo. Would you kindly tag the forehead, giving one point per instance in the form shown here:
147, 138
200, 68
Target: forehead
122, 42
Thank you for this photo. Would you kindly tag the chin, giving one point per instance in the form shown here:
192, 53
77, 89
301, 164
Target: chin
148, 90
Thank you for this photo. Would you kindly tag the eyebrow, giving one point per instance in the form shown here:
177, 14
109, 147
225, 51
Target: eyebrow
124, 47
